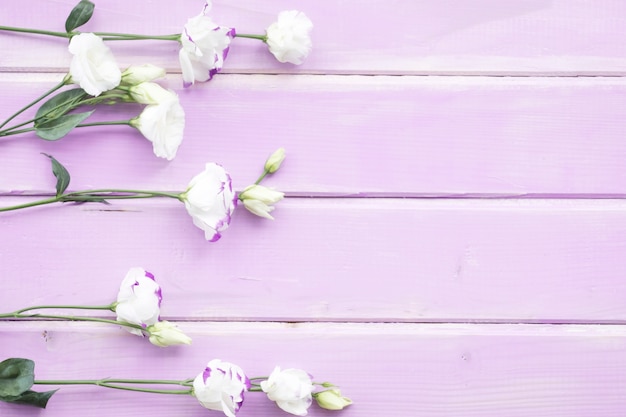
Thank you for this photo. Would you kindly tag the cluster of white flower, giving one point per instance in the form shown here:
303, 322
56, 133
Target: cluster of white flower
222, 387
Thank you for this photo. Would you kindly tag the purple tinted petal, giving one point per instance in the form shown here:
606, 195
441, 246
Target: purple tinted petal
149, 275
206, 374
187, 84
159, 295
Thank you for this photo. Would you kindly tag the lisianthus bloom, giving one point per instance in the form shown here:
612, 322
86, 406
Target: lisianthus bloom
150, 93
259, 199
162, 124
221, 386
288, 38
163, 334
93, 66
332, 400
275, 160
210, 200
291, 390
137, 74
138, 300
204, 47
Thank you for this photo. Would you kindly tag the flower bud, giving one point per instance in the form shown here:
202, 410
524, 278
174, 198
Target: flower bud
137, 74
164, 333
150, 93
332, 400
259, 199
273, 162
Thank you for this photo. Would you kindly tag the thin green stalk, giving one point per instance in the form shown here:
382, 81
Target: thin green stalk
83, 196
31, 204
115, 122
37, 31
103, 191
37, 100
69, 318
62, 307
109, 383
261, 177
249, 36
112, 36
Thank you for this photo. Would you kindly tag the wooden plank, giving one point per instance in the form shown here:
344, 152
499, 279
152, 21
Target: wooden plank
366, 136
412, 37
434, 370
332, 259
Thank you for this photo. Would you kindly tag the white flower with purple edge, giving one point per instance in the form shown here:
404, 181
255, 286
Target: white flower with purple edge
93, 66
163, 124
138, 300
221, 387
288, 39
204, 47
291, 390
210, 200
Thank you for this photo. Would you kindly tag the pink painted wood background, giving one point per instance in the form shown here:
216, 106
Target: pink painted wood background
453, 237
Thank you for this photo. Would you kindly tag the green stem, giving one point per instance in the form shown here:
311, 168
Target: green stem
249, 36
104, 192
31, 204
69, 318
37, 31
112, 36
37, 100
10, 132
83, 196
62, 307
105, 35
109, 383
115, 122
258, 181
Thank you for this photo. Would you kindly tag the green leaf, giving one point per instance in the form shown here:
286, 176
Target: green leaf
57, 128
34, 398
61, 174
16, 376
58, 105
79, 15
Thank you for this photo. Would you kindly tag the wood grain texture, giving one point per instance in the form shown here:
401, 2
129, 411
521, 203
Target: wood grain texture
332, 259
353, 136
368, 37
426, 370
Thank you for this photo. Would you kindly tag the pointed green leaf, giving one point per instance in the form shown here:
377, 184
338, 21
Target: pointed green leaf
79, 15
58, 105
61, 174
34, 398
16, 376
57, 128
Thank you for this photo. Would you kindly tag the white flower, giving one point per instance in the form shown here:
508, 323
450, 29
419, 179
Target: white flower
162, 124
150, 93
221, 387
138, 300
137, 74
259, 199
164, 333
275, 160
332, 400
291, 389
210, 200
288, 38
204, 47
93, 66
